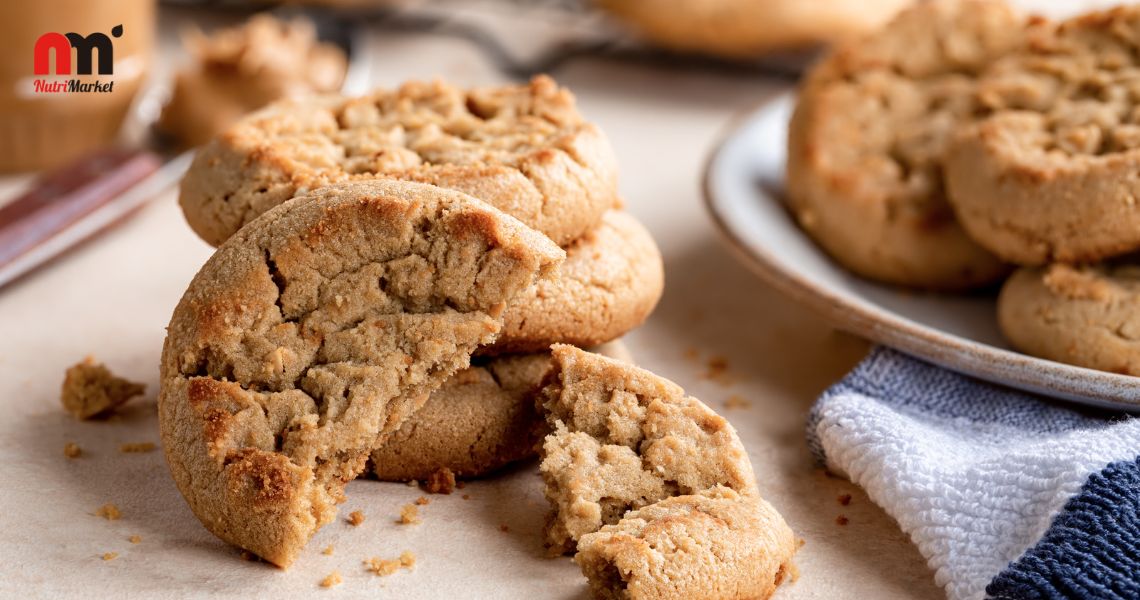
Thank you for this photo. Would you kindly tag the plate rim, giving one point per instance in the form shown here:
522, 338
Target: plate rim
970, 357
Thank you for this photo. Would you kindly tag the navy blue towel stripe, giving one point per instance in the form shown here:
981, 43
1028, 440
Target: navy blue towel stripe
1092, 549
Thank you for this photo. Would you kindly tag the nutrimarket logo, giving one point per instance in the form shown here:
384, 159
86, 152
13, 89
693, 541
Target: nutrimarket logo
87, 49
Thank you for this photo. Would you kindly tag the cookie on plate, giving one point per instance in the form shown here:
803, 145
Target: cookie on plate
713, 544
523, 148
611, 280
482, 419
867, 139
1050, 174
744, 29
312, 334
623, 438
1086, 316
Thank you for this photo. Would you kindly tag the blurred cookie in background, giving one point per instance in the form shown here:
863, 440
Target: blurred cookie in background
741, 29
240, 69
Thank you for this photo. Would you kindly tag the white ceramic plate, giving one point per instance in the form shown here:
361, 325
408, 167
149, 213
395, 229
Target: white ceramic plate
742, 184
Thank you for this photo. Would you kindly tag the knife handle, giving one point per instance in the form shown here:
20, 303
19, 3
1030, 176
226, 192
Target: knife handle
61, 198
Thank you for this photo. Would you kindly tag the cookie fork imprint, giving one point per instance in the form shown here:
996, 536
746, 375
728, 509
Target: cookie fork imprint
313, 333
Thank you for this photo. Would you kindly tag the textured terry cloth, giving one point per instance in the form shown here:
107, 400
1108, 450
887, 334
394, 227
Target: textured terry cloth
1006, 494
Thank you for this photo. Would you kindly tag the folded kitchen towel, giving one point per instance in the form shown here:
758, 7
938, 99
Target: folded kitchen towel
1006, 494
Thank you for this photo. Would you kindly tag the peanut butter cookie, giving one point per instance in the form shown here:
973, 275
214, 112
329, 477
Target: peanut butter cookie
653, 489
524, 149
1086, 316
716, 544
313, 333
1050, 175
867, 139
623, 438
482, 419
611, 280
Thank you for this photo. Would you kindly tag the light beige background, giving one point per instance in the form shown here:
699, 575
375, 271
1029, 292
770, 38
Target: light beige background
113, 298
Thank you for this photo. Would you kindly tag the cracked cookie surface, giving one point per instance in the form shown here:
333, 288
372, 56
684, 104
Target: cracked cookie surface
524, 149
482, 419
313, 333
868, 136
623, 438
1085, 316
611, 280
1050, 174
713, 544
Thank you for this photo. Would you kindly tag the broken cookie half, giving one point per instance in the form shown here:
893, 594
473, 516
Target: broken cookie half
313, 333
652, 488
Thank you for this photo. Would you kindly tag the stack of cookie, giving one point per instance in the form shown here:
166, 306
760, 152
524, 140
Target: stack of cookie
1050, 180
964, 138
523, 149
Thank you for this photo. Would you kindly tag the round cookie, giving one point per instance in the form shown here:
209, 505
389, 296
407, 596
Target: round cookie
744, 29
866, 142
482, 419
1050, 175
737, 545
611, 280
1085, 316
524, 149
312, 334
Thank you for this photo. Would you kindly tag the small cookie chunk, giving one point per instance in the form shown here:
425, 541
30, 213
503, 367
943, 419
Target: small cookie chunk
1086, 316
623, 438
716, 544
524, 149
610, 282
1050, 175
90, 390
482, 419
866, 143
742, 29
314, 333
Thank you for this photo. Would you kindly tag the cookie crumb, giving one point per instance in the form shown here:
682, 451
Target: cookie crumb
136, 447
110, 555
72, 450
332, 579
442, 481
737, 401
90, 390
413, 483
504, 528
385, 567
134, 539
844, 499
841, 520
328, 550
422, 501
716, 367
109, 511
410, 515
466, 496
355, 518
